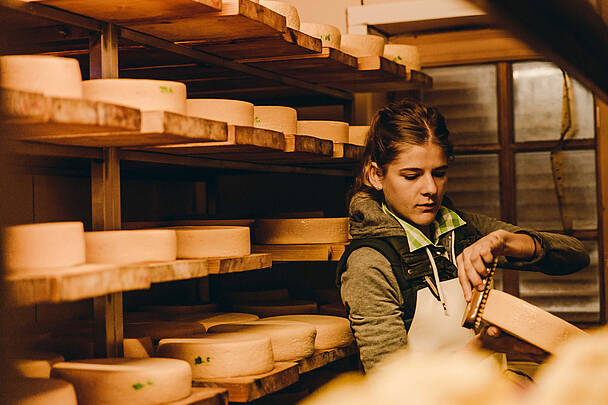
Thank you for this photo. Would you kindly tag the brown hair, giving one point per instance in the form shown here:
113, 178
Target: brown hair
406, 122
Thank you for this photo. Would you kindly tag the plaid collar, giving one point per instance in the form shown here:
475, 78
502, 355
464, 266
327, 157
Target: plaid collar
445, 221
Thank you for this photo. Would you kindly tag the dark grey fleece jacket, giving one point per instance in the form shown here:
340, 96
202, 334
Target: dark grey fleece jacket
371, 292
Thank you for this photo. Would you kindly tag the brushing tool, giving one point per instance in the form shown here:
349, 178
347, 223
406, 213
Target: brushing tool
472, 314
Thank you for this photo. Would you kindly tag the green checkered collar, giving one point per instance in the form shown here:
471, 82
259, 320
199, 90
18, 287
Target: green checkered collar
445, 221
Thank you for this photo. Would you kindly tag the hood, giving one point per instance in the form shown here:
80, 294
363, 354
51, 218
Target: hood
368, 220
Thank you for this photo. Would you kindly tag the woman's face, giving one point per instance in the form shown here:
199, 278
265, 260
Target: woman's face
414, 183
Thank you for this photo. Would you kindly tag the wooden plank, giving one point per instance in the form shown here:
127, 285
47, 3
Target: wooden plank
204, 396
225, 265
172, 271
321, 358
303, 253
133, 11
348, 151
238, 19
308, 144
602, 202
330, 60
249, 388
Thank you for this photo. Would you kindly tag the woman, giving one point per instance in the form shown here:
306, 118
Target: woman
415, 259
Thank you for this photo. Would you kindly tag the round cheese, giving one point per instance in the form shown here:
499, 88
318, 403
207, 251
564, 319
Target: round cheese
332, 331
37, 365
210, 320
232, 112
41, 391
301, 231
146, 95
127, 381
222, 354
276, 118
278, 308
162, 329
124, 247
357, 134
403, 54
329, 34
32, 247
248, 297
194, 242
287, 10
335, 309
138, 348
48, 75
362, 45
290, 340
335, 131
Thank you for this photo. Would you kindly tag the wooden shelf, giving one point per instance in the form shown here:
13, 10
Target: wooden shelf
75, 283
225, 265
172, 271
322, 358
204, 396
303, 253
249, 388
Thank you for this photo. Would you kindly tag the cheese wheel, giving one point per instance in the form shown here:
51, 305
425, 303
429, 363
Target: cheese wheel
278, 308
222, 354
126, 381
138, 348
124, 247
301, 231
248, 297
194, 242
335, 309
528, 322
357, 134
335, 131
232, 112
329, 34
32, 247
403, 54
276, 118
36, 364
146, 95
180, 309
48, 75
210, 320
163, 329
290, 340
287, 10
40, 391
332, 331
362, 45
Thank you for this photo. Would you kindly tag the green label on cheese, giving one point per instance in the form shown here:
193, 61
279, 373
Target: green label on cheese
201, 360
166, 89
326, 37
396, 58
257, 120
140, 386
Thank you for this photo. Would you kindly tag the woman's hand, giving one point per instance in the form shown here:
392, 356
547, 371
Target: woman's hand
474, 260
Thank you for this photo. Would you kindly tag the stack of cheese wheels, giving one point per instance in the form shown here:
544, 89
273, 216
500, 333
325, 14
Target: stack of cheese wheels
37, 364
124, 247
267, 309
276, 118
332, 331
329, 34
163, 329
232, 112
48, 75
127, 381
28, 248
357, 134
301, 231
219, 318
290, 340
287, 10
222, 354
138, 348
194, 242
362, 45
39, 391
249, 297
146, 95
403, 54
336, 131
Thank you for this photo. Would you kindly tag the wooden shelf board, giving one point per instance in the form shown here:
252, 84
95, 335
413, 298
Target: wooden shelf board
322, 358
225, 265
303, 253
74, 283
204, 396
249, 388
330, 60
172, 271
121, 12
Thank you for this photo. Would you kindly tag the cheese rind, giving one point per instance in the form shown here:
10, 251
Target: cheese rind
290, 340
362, 45
276, 118
210, 320
289, 11
357, 134
49, 75
37, 364
124, 247
163, 329
290, 307
301, 231
41, 391
329, 34
127, 381
146, 95
222, 354
232, 112
194, 242
336, 131
33, 247
403, 54
138, 348
332, 331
